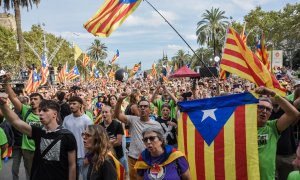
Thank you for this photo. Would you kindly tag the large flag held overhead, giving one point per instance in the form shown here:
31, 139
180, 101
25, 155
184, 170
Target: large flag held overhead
33, 82
85, 60
116, 56
262, 53
240, 60
44, 69
219, 137
74, 73
110, 16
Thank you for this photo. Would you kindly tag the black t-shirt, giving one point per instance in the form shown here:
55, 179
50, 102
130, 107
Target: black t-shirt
113, 130
55, 164
170, 131
286, 144
107, 171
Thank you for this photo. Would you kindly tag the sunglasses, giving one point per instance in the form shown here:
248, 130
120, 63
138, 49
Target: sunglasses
84, 134
182, 90
151, 138
143, 106
262, 108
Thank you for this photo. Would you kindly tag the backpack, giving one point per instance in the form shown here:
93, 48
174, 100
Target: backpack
5, 125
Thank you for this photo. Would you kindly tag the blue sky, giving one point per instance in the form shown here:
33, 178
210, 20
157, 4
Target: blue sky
144, 36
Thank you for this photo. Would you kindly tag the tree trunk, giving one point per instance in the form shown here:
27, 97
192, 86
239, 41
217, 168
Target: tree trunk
19, 33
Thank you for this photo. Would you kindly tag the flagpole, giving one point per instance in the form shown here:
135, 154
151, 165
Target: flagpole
180, 37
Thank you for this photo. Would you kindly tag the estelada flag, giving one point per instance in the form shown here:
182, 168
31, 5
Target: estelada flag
110, 16
219, 137
240, 60
116, 56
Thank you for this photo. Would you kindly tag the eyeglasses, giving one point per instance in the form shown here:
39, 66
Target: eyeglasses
151, 138
262, 108
143, 106
182, 90
84, 134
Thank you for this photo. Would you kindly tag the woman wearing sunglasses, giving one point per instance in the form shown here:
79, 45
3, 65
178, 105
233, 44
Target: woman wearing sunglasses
96, 142
160, 161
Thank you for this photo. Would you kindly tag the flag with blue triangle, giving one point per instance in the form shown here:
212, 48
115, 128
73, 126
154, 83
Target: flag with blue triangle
219, 136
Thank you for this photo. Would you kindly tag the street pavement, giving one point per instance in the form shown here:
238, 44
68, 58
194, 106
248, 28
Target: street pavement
5, 173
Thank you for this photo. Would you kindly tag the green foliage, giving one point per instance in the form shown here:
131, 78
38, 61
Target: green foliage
8, 49
281, 28
35, 39
211, 29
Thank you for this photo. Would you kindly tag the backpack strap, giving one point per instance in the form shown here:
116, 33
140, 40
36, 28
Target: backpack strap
27, 114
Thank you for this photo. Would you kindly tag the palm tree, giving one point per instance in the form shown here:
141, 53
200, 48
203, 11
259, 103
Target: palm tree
204, 54
98, 52
181, 58
15, 4
212, 28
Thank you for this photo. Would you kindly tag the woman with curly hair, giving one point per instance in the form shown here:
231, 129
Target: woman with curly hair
97, 144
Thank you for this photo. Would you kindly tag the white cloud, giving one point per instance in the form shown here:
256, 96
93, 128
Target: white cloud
174, 47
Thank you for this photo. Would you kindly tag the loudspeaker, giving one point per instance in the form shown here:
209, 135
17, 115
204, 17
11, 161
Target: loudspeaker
204, 72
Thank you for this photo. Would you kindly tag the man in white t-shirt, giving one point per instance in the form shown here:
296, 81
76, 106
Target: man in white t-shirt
136, 125
77, 123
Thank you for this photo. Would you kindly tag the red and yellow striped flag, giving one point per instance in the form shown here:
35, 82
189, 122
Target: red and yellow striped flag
240, 60
110, 16
63, 73
85, 60
119, 167
154, 72
222, 74
262, 53
33, 82
243, 34
219, 137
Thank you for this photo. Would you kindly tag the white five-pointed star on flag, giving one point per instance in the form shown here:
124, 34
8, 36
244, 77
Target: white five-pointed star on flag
209, 113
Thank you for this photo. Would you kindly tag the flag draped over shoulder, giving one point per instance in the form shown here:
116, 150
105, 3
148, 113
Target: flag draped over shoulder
240, 60
262, 53
44, 70
116, 56
219, 137
110, 16
74, 73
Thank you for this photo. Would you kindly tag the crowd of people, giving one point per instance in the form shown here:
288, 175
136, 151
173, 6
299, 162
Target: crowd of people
88, 129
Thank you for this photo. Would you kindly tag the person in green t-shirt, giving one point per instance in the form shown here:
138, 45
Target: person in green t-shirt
30, 114
295, 175
269, 131
168, 97
3, 144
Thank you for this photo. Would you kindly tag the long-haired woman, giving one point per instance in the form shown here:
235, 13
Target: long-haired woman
97, 144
